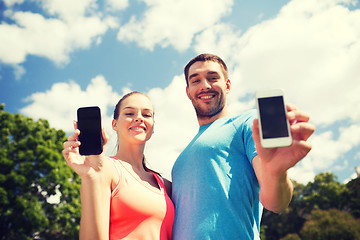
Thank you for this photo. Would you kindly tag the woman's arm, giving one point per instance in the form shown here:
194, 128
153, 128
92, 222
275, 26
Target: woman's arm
95, 205
96, 172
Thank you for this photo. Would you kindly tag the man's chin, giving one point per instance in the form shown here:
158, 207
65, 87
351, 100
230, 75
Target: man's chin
206, 114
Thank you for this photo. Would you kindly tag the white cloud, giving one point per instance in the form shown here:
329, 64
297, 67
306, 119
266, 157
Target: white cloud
327, 149
73, 25
311, 49
175, 125
173, 23
10, 3
19, 71
116, 5
175, 121
59, 104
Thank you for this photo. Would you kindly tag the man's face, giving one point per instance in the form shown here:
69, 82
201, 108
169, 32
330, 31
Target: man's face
207, 88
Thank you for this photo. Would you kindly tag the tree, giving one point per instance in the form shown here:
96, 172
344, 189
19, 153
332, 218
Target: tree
291, 236
331, 224
324, 193
32, 172
277, 226
352, 197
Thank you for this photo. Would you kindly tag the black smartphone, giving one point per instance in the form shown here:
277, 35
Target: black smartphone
273, 125
89, 124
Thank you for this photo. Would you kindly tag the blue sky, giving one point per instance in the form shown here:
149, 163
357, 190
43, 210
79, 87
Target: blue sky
58, 55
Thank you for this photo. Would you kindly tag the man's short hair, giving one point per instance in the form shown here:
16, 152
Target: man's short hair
203, 58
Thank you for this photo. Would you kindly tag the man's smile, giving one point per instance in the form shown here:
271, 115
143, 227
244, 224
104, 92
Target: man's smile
206, 96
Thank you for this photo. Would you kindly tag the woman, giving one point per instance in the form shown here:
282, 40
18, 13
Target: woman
121, 198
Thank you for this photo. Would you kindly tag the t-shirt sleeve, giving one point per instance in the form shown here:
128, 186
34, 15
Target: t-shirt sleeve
247, 133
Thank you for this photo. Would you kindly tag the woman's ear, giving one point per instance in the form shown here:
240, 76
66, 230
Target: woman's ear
114, 125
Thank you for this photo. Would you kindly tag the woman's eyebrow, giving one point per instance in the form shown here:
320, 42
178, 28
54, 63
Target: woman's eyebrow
146, 109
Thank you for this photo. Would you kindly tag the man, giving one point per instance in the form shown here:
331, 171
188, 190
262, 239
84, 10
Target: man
224, 178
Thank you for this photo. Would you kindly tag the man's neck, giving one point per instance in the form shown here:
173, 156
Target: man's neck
204, 120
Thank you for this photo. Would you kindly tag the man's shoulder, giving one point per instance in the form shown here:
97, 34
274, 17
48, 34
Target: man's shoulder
246, 117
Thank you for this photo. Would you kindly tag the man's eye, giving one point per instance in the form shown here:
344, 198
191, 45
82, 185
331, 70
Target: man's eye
195, 81
129, 114
147, 115
213, 78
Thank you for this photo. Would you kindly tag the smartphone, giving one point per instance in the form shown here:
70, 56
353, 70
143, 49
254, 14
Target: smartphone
89, 124
273, 125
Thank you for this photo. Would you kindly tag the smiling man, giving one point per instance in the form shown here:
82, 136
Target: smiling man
206, 88
224, 178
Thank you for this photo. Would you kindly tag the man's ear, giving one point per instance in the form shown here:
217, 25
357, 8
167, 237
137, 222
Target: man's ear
188, 92
228, 86
114, 124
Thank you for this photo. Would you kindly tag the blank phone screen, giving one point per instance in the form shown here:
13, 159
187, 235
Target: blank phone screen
89, 124
273, 117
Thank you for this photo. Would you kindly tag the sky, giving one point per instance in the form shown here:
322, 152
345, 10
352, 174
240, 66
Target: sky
58, 55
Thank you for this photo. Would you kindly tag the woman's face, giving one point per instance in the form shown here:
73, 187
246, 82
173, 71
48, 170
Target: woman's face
136, 119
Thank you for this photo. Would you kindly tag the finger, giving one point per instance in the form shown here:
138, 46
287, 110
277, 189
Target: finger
71, 144
302, 130
255, 130
104, 136
303, 148
66, 153
296, 115
74, 136
75, 125
290, 107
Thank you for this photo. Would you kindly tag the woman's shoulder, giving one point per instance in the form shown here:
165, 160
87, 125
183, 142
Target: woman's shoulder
113, 171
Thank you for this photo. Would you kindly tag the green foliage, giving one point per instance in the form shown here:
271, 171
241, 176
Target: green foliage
352, 197
291, 236
331, 225
32, 169
321, 196
291, 221
324, 193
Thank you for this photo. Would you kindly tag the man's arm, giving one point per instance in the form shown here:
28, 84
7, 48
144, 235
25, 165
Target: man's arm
271, 164
275, 189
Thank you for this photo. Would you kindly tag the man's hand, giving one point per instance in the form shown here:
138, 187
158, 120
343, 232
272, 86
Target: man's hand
279, 160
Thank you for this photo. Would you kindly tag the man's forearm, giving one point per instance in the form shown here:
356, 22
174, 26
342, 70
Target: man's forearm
275, 192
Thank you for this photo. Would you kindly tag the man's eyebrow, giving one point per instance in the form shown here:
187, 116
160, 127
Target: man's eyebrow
212, 72
193, 75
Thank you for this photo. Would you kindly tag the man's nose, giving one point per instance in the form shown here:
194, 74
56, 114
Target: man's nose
205, 84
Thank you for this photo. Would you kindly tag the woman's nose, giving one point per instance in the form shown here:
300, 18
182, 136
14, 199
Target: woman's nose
139, 119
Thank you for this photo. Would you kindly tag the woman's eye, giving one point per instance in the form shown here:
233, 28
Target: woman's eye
129, 114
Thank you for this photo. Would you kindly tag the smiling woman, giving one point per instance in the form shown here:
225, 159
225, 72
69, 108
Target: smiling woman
120, 196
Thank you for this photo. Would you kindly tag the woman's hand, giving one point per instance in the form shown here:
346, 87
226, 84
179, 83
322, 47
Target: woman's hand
84, 166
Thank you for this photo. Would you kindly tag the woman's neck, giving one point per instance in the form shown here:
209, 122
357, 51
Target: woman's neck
132, 154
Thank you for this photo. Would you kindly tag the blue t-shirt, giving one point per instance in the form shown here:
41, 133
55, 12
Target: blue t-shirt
215, 189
